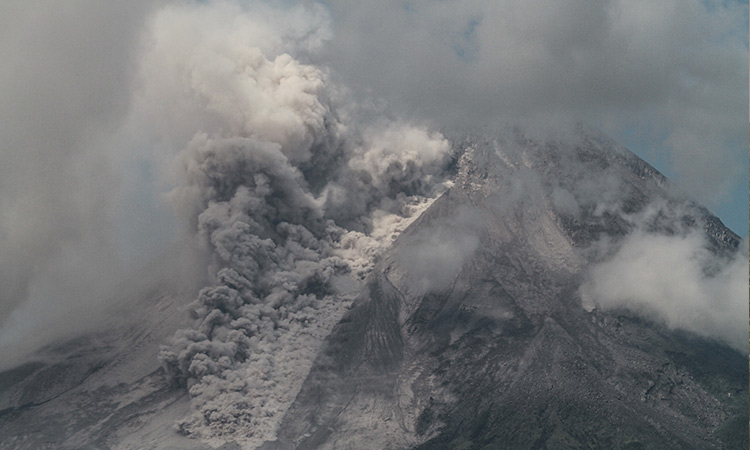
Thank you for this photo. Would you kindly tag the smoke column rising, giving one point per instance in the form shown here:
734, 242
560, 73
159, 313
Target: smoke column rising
284, 185
292, 182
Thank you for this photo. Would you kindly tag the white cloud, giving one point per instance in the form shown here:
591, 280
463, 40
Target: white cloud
678, 281
674, 70
278, 173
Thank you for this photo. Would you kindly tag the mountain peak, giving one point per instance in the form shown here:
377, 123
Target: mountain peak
483, 336
560, 293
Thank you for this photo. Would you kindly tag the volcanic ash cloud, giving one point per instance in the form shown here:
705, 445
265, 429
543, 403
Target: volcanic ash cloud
287, 187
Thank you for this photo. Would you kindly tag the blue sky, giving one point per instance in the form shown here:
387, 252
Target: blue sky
732, 209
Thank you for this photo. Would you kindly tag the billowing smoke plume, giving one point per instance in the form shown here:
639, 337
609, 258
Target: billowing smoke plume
292, 186
290, 192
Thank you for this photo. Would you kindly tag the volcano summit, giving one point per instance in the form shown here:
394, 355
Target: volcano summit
560, 293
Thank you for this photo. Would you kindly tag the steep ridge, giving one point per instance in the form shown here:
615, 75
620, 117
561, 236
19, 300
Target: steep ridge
472, 331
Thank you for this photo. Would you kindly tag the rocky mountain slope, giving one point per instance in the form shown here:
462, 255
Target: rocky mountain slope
496, 350
473, 330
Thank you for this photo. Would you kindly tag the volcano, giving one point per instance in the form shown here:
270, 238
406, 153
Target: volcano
483, 325
499, 350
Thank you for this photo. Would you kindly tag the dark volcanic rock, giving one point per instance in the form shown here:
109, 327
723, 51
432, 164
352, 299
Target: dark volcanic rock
497, 351
469, 333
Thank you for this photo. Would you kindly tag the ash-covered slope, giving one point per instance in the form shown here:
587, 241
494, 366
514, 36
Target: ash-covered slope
106, 388
484, 325
475, 330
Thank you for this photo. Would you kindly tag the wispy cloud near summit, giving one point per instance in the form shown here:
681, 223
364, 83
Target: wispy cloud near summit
669, 78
